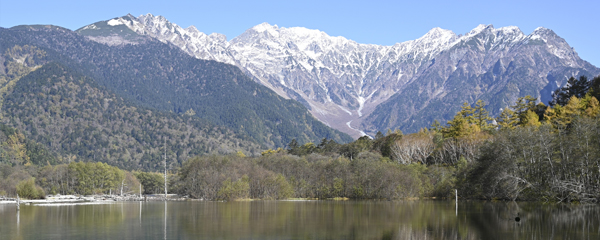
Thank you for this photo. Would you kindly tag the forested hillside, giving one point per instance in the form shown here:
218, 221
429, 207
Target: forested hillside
159, 76
534, 153
72, 115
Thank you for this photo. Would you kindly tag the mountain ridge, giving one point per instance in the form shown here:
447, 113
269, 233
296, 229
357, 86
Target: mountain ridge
160, 76
342, 82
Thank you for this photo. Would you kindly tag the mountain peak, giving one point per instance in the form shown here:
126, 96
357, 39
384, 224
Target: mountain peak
152, 18
542, 31
129, 16
218, 36
481, 28
192, 29
265, 27
438, 32
341, 80
510, 29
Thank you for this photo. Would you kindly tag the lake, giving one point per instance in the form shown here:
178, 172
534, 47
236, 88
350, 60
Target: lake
424, 219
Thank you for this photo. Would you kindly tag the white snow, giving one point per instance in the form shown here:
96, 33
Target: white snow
303, 59
361, 104
114, 22
91, 26
361, 132
345, 110
478, 29
265, 27
282, 79
510, 29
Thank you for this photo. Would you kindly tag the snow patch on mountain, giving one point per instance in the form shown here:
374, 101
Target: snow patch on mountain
114, 22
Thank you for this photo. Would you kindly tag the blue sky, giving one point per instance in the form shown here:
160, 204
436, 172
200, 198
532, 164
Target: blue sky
374, 21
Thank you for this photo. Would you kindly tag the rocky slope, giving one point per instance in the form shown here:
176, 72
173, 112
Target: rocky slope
365, 88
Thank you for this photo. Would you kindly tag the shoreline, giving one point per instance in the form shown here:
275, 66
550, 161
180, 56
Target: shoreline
66, 200
69, 200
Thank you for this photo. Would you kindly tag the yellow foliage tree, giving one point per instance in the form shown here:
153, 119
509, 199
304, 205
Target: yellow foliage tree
507, 119
467, 112
562, 116
531, 119
16, 150
468, 121
481, 117
239, 153
271, 151
593, 108
459, 127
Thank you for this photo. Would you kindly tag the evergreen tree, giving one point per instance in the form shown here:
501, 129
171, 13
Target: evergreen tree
577, 87
522, 105
595, 88
293, 147
436, 126
467, 112
507, 119
481, 117
379, 135
457, 127
383, 145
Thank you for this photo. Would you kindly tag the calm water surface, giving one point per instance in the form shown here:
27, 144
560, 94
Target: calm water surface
302, 220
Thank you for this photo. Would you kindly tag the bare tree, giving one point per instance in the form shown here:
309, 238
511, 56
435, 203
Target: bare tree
415, 147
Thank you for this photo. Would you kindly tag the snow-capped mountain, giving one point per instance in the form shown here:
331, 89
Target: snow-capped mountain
360, 88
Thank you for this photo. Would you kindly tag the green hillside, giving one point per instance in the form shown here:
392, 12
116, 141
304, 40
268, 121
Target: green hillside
73, 116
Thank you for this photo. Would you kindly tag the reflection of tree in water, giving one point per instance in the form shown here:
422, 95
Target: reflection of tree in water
388, 220
325, 220
496, 220
307, 220
408, 232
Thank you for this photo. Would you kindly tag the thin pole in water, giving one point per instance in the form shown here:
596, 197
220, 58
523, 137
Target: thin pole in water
456, 194
165, 232
165, 162
18, 203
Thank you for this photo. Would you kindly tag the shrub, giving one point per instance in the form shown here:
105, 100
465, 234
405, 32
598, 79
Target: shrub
235, 190
28, 190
